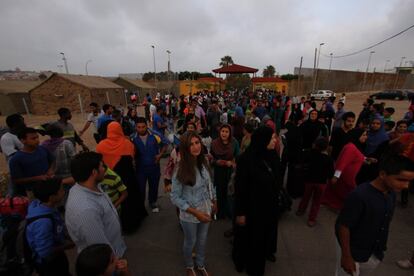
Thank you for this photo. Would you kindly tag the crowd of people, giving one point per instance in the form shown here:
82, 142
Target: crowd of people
237, 156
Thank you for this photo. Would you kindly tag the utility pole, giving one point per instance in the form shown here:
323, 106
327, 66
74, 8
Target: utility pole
86, 66
155, 69
65, 62
169, 65
299, 74
317, 67
330, 62
366, 71
385, 66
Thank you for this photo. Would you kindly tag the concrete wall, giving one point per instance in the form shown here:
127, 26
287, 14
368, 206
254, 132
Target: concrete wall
345, 81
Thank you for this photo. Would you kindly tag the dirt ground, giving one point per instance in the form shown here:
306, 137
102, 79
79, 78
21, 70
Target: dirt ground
353, 103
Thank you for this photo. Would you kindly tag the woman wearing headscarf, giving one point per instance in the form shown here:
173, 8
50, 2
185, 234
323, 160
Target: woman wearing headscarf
224, 150
312, 129
238, 123
257, 184
377, 143
347, 166
118, 154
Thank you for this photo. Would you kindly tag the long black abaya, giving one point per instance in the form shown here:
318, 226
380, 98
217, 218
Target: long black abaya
133, 209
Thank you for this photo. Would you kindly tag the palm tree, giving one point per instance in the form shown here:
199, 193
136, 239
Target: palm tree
226, 61
269, 71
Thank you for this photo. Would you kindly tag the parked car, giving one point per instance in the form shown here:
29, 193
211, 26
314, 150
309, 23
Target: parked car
398, 94
322, 94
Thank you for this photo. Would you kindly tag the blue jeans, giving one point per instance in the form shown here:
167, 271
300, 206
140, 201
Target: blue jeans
195, 235
152, 175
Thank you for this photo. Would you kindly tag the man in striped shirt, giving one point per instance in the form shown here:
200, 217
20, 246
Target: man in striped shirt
90, 216
112, 185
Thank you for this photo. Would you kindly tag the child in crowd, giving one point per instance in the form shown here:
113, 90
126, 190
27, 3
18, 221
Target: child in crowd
400, 129
45, 229
320, 168
113, 186
32, 163
99, 260
388, 112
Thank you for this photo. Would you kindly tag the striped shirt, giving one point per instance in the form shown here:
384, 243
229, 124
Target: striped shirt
112, 185
92, 218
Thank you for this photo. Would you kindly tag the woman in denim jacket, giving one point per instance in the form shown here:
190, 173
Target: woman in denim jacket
193, 194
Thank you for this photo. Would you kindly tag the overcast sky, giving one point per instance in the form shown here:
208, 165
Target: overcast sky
117, 35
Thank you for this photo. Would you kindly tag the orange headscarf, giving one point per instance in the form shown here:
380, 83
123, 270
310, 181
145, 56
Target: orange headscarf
115, 145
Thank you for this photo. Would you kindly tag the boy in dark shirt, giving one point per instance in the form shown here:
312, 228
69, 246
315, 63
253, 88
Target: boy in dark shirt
340, 136
362, 225
31, 164
319, 169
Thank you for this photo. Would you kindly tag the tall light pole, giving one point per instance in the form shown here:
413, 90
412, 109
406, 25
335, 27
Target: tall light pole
65, 62
366, 71
330, 62
86, 66
169, 64
402, 59
385, 66
317, 67
155, 69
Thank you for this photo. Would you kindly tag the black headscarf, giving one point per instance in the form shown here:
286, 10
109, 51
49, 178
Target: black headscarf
259, 141
355, 134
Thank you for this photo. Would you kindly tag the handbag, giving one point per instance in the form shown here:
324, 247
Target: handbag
284, 202
14, 206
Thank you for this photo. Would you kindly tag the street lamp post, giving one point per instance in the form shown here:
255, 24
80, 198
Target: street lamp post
317, 67
385, 66
65, 62
169, 64
366, 71
155, 69
402, 59
330, 62
86, 66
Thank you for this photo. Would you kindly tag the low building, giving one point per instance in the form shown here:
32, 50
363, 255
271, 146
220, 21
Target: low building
271, 83
135, 86
188, 87
14, 96
74, 92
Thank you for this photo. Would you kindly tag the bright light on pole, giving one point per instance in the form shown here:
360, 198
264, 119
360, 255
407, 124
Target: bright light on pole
155, 69
65, 62
366, 71
317, 67
169, 64
330, 62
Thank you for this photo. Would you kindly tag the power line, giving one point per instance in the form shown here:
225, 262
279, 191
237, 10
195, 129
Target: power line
372, 46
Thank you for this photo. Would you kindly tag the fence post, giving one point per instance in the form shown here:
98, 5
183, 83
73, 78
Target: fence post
26, 107
80, 103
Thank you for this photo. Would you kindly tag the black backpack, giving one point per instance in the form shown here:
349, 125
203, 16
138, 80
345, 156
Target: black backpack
16, 257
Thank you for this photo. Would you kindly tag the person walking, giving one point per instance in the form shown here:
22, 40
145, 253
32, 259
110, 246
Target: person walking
193, 193
257, 183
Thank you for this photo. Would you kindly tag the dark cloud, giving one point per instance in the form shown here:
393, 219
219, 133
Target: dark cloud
116, 35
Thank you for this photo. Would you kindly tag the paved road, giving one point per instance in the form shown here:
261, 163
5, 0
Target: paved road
155, 250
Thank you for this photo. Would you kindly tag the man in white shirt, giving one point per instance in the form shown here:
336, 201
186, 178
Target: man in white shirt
92, 120
9, 142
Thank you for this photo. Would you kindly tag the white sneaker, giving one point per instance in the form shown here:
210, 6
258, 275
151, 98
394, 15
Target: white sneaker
405, 264
155, 210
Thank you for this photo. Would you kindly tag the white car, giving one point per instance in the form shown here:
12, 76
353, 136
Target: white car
322, 94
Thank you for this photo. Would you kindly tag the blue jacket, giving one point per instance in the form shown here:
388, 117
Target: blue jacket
145, 154
40, 235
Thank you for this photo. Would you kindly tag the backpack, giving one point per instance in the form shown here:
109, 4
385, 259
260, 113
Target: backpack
16, 256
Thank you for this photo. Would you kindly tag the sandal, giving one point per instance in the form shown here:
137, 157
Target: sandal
203, 271
190, 271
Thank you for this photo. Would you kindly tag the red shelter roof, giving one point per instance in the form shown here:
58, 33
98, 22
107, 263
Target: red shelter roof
235, 69
268, 79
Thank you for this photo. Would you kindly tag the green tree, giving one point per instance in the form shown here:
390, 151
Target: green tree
289, 77
226, 61
269, 71
240, 81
